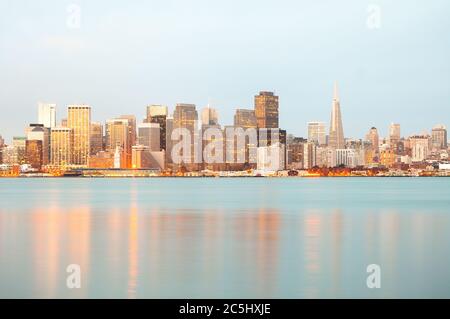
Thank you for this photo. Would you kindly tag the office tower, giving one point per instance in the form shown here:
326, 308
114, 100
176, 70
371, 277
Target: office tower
19, 148
394, 133
336, 137
118, 139
131, 128
266, 110
420, 147
79, 120
346, 157
309, 155
156, 110
63, 122
158, 114
34, 153
185, 117
2, 142
96, 138
210, 116
149, 136
168, 137
245, 118
439, 137
296, 150
47, 114
37, 132
61, 141
317, 133
374, 139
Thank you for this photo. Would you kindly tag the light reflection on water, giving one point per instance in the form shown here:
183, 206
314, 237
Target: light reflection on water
208, 238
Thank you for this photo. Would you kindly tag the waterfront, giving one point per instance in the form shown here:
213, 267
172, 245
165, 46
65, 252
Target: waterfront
225, 238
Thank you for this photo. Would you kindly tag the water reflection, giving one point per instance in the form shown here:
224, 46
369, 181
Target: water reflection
142, 250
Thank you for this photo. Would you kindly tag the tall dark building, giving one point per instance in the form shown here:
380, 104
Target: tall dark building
161, 120
266, 110
34, 153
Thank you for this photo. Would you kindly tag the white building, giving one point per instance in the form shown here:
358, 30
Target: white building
47, 115
271, 159
346, 157
317, 133
420, 146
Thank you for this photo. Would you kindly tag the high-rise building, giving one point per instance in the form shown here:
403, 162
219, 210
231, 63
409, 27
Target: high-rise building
79, 120
394, 133
309, 155
149, 136
38, 132
47, 114
210, 116
317, 133
245, 118
156, 110
374, 139
420, 147
266, 110
61, 140
185, 116
168, 137
34, 152
96, 138
131, 128
439, 137
158, 114
336, 136
119, 139
19, 150
346, 157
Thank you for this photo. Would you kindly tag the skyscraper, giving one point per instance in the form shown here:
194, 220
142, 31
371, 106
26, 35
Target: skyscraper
317, 133
61, 146
19, 148
96, 138
79, 120
156, 110
34, 152
47, 114
336, 137
266, 110
117, 138
185, 116
439, 137
37, 132
158, 114
394, 137
210, 116
131, 128
374, 139
148, 136
245, 118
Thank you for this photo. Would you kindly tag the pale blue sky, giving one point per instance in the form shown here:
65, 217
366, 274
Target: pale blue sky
127, 54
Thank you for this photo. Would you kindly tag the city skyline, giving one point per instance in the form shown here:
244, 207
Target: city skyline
48, 115
398, 71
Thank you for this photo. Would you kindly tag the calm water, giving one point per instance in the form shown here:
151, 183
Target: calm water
225, 238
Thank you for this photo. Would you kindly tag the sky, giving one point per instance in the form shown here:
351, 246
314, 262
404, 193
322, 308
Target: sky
391, 59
